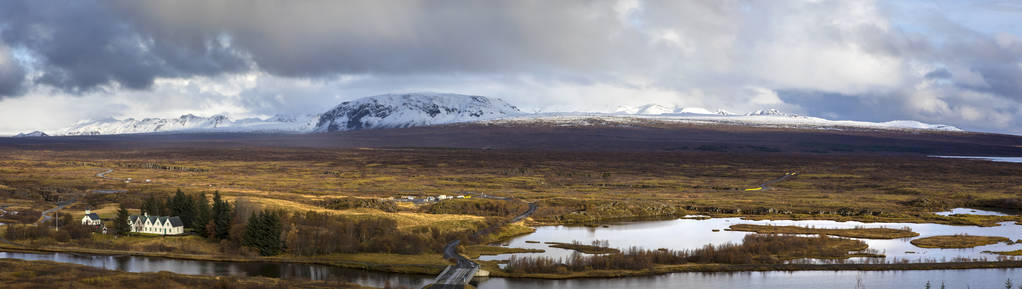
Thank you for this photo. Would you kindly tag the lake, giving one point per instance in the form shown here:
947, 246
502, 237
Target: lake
993, 159
687, 234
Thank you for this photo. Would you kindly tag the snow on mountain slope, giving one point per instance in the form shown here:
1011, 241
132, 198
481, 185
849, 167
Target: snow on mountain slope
381, 111
188, 122
32, 134
656, 109
760, 119
407, 110
426, 109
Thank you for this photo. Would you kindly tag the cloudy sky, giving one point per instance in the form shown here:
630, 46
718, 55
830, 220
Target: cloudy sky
949, 62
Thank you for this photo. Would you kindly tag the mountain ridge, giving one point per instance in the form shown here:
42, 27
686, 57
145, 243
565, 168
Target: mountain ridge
430, 109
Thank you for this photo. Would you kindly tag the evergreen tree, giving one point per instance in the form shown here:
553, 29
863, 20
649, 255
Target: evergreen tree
221, 217
121, 226
201, 215
151, 205
263, 233
182, 206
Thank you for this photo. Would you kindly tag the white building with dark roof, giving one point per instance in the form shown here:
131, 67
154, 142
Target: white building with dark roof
91, 219
161, 225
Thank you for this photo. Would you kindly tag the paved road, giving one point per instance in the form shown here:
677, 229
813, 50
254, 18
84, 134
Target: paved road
60, 205
532, 209
766, 186
458, 275
103, 174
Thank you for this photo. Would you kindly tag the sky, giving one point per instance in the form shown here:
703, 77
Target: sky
946, 62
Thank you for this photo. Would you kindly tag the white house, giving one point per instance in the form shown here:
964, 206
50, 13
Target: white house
162, 225
91, 219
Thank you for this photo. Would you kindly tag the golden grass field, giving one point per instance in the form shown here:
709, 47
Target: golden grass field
570, 187
594, 186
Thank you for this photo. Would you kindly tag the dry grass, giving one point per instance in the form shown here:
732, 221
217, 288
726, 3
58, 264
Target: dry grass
867, 233
957, 241
1010, 253
405, 220
474, 251
296, 178
508, 231
583, 248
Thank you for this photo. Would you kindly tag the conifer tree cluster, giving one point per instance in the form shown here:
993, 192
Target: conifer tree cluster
121, 226
219, 226
196, 212
263, 233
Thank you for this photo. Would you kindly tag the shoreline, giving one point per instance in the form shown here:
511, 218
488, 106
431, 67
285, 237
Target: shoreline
421, 269
433, 269
967, 220
729, 268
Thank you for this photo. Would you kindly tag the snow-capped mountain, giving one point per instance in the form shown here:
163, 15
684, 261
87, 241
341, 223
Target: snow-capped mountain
771, 112
406, 110
32, 134
656, 109
188, 122
768, 118
381, 111
427, 109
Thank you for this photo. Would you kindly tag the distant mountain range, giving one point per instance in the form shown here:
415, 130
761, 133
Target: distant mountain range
428, 109
32, 134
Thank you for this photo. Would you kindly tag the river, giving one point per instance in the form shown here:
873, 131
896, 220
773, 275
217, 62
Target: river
993, 159
675, 234
972, 278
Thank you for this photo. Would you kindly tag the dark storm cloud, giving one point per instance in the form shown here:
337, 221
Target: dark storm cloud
78, 45
310, 38
900, 56
12, 75
940, 73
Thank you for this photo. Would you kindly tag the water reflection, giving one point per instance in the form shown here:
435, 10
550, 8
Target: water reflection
193, 267
687, 234
993, 159
975, 278
968, 211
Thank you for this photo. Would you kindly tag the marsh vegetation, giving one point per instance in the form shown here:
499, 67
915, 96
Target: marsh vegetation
857, 232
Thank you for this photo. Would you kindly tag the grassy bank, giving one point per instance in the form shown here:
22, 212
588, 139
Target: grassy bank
1009, 253
428, 264
957, 241
867, 233
595, 248
474, 251
663, 269
45, 274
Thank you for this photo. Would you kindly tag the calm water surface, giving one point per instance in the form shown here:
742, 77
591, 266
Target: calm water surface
993, 159
687, 234
242, 269
953, 279
973, 278
968, 211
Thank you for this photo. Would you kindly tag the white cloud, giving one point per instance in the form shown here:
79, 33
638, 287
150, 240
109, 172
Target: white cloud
564, 55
